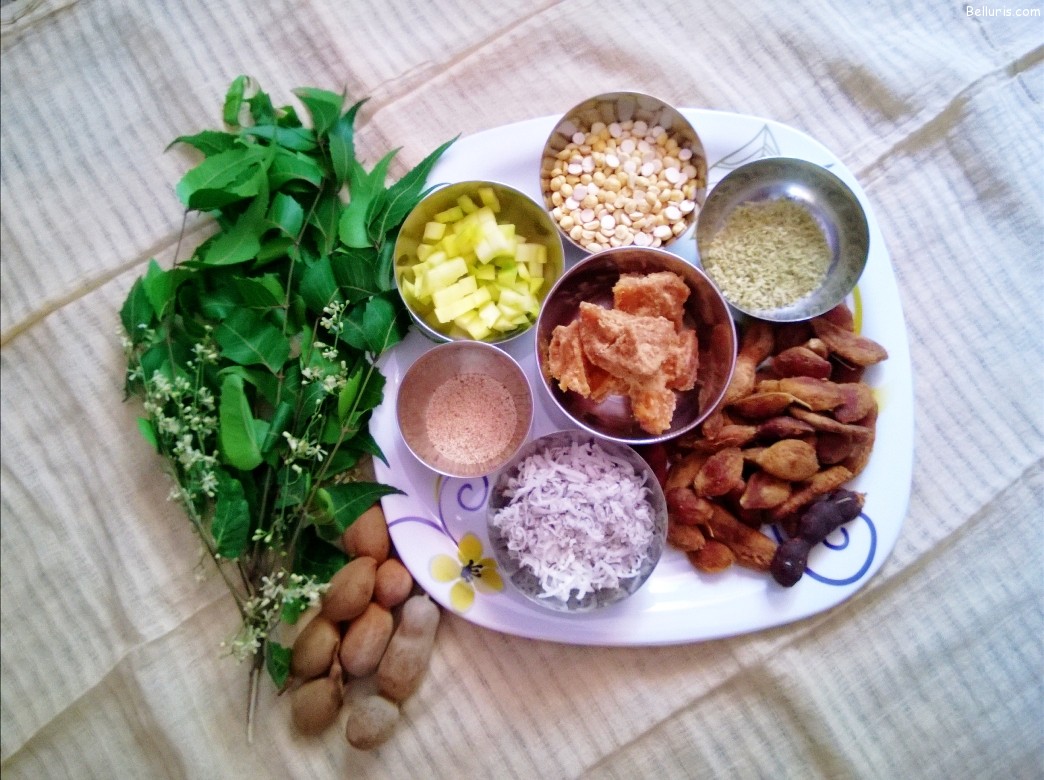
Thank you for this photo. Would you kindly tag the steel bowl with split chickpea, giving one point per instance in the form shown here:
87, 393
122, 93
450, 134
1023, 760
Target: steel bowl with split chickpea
622, 169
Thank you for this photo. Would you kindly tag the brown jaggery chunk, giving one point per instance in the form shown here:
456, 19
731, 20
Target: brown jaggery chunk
652, 405
659, 294
628, 346
682, 361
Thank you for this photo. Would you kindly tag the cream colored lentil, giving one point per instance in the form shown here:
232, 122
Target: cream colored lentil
470, 418
623, 168
768, 255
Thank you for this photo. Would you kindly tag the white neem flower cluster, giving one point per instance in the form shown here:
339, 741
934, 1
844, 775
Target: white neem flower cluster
263, 611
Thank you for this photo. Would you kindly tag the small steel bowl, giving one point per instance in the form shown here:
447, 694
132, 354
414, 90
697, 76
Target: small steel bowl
451, 361
517, 208
592, 280
523, 578
620, 107
833, 206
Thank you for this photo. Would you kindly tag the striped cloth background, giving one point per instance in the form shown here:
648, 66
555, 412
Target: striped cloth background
110, 663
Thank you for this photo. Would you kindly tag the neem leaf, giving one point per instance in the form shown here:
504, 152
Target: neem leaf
230, 525
325, 217
351, 499
148, 432
286, 214
300, 139
261, 109
234, 100
209, 142
289, 166
341, 143
242, 241
161, 286
245, 338
319, 286
277, 662
230, 173
356, 273
238, 433
350, 391
380, 327
404, 194
136, 313
324, 106
364, 189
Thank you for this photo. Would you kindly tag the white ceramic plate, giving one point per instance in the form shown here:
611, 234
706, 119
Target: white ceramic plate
678, 604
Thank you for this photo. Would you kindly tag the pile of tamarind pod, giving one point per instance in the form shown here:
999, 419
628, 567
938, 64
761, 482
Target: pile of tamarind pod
373, 634
797, 423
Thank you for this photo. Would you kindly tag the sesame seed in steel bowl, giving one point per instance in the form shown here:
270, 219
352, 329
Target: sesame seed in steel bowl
623, 168
635, 345
577, 523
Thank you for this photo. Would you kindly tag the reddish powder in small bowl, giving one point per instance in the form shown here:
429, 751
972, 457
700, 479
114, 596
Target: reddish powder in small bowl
470, 418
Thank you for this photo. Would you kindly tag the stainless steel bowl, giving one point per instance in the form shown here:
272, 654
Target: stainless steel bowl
619, 107
592, 280
833, 206
529, 219
523, 578
450, 362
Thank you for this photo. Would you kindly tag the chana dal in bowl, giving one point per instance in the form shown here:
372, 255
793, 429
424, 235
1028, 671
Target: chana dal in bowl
623, 169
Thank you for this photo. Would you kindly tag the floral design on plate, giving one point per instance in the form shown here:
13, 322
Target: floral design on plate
470, 572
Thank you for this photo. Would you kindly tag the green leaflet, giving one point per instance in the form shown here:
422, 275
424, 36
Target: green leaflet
374, 326
137, 312
242, 241
324, 106
403, 195
356, 272
364, 189
245, 338
210, 142
319, 286
239, 434
299, 139
289, 166
286, 214
230, 526
277, 662
148, 432
350, 500
234, 100
223, 178
341, 142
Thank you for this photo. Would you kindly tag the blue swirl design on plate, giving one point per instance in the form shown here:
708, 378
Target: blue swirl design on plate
846, 540
470, 496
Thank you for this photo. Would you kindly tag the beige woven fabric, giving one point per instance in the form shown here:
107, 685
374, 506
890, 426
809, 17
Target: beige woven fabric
111, 664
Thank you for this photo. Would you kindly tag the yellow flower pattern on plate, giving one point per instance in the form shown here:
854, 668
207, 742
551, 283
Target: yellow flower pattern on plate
470, 572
